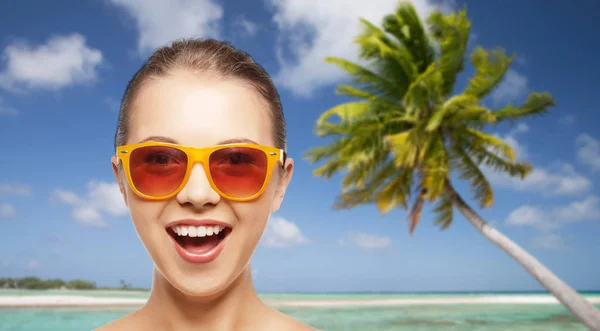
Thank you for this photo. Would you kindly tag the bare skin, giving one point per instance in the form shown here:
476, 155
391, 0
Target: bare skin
202, 110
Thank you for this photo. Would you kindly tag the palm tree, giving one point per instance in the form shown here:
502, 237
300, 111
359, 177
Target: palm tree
407, 130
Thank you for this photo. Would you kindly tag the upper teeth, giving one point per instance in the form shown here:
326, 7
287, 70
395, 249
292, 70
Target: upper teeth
197, 231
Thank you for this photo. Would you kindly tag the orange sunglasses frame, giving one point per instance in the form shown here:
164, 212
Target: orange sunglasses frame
201, 155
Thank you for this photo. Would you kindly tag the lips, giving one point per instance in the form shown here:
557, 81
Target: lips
199, 241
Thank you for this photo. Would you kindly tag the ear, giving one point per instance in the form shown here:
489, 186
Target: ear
284, 181
119, 178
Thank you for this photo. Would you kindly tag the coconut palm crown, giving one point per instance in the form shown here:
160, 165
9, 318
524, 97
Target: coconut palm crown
407, 130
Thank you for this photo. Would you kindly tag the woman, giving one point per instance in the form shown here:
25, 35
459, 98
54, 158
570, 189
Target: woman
201, 163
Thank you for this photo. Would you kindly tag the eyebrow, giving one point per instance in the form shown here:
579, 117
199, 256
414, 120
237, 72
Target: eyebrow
223, 142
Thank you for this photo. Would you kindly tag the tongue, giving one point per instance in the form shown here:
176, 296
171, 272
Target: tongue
199, 245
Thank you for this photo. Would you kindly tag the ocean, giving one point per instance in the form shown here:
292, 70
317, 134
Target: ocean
478, 317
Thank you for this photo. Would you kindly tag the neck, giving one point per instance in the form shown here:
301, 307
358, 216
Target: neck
231, 309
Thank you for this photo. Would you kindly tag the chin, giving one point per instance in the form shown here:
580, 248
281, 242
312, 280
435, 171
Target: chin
201, 284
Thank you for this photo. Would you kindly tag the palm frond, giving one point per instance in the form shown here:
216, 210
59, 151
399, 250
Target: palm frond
487, 141
473, 115
405, 147
368, 80
489, 71
536, 104
393, 60
452, 34
450, 108
363, 166
444, 210
406, 26
395, 192
347, 112
499, 164
470, 171
414, 216
356, 195
425, 89
434, 167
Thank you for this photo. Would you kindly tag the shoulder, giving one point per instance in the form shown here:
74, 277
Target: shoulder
129, 322
280, 321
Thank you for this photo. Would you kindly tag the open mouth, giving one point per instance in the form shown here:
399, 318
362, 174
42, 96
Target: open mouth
196, 241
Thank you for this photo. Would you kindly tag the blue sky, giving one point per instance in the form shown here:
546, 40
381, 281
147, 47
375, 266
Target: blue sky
64, 66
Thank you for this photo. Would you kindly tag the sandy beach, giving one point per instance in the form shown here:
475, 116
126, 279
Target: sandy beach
58, 301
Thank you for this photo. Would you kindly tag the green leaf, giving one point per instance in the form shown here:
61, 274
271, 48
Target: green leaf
347, 112
483, 156
451, 107
395, 192
425, 89
484, 140
406, 26
536, 104
435, 167
444, 211
489, 71
452, 34
370, 81
375, 45
470, 171
404, 148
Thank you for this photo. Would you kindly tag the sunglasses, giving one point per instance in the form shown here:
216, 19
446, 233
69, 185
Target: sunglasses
239, 172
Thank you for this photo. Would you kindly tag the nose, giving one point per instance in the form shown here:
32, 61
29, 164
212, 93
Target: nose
197, 191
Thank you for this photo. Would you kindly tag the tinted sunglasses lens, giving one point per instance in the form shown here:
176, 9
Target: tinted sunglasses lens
239, 172
157, 170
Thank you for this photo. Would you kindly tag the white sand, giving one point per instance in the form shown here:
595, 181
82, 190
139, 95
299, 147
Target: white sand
83, 301
66, 301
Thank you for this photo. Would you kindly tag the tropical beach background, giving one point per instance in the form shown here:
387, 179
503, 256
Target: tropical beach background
70, 258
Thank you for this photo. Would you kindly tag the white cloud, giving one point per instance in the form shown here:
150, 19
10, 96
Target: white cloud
368, 241
102, 198
588, 152
282, 233
551, 241
511, 139
107, 197
311, 30
161, 22
62, 61
529, 216
579, 211
88, 215
545, 219
248, 28
513, 85
563, 182
7, 210
6, 110
14, 189
559, 181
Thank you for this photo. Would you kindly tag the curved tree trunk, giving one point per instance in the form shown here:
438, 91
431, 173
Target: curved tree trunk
577, 304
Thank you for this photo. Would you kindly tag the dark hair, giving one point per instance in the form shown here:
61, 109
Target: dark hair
210, 56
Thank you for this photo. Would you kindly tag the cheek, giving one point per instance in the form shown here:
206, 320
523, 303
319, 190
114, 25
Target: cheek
253, 217
144, 214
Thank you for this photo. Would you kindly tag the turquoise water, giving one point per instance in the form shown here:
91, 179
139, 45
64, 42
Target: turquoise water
424, 317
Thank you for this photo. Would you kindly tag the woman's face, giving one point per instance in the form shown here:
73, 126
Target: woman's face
201, 111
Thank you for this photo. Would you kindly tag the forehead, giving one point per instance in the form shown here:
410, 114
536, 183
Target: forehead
199, 110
